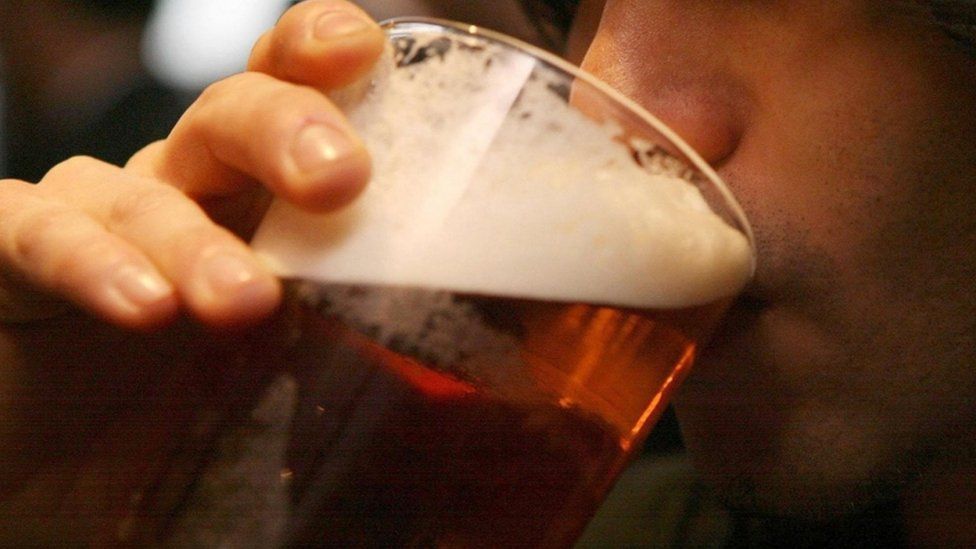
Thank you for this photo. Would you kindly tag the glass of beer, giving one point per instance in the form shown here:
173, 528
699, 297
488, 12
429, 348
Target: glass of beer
483, 339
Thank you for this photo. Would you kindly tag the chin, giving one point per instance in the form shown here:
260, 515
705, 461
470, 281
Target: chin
772, 444
762, 459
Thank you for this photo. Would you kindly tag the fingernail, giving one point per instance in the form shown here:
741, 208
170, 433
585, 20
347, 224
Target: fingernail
338, 24
318, 145
140, 287
227, 272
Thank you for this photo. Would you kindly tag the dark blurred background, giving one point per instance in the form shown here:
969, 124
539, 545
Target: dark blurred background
106, 77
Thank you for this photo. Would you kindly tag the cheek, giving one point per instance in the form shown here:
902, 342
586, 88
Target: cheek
826, 176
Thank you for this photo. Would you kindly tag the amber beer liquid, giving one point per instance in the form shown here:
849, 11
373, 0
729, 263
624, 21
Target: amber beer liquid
400, 447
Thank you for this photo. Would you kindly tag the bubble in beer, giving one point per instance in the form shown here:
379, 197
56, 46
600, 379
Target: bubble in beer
488, 181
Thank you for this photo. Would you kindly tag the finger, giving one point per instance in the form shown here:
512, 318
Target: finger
143, 161
52, 248
215, 274
322, 43
254, 127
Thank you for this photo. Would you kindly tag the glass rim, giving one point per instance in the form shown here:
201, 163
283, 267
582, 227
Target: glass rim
578, 73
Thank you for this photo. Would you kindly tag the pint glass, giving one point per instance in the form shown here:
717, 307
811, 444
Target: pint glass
491, 330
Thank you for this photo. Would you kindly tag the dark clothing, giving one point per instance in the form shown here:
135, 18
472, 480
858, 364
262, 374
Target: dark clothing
660, 502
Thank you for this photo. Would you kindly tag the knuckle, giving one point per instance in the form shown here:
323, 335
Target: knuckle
12, 192
224, 88
142, 162
258, 58
206, 103
141, 202
36, 235
227, 99
71, 170
210, 92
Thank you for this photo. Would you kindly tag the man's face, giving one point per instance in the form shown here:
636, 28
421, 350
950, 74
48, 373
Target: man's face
848, 131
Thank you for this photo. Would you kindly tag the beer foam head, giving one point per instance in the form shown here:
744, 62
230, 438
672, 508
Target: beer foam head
486, 180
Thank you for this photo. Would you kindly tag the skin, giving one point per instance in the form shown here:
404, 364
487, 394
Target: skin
842, 378
847, 130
